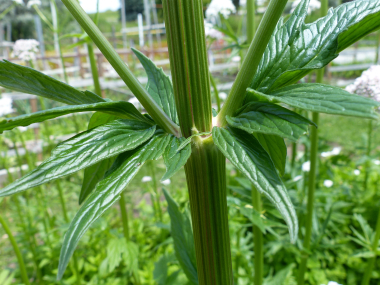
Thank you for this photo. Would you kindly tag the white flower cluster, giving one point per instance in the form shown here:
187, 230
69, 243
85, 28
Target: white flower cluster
25, 49
368, 84
313, 5
5, 106
213, 33
216, 7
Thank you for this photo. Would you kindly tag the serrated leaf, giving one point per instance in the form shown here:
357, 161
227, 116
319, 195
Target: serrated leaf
246, 154
28, 80
174, 159
108, 191
94, 173
183, 238
267, 118
159, 86
297, 48
322, 99
276, 148
121, 109
84, 150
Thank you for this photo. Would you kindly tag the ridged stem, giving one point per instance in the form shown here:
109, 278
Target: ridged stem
206, 180
252, 60
154, 110
372, 261
94, 69
24, 274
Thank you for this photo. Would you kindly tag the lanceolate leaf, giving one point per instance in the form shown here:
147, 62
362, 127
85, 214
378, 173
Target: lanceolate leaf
323, 99
85, 150
296, 49
183, 238
267, 118
108, 192
174, 159
159, 86
276, 148
247, 155
28, 80
121, 109
95, 173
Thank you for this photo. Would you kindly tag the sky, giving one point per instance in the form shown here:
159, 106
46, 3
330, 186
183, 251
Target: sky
90, 5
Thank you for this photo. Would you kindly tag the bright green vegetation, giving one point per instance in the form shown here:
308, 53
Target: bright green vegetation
211, 241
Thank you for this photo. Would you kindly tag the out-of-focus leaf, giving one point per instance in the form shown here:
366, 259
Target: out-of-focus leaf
159, 86
276, 148
268, 118
246, 154
84, 150
174, 159
322, 99
183, 239
28, 80
108, 191
121, 109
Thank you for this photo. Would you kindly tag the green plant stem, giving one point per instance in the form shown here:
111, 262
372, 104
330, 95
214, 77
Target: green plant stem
216, 92
310, 200
252, 60
206, 180
378, 49
24, 274
124, 217
238, 256
94, 69
368, 153
156, 192
154, 110
294, 154
258, 240
7, 10
251, 21
372, 261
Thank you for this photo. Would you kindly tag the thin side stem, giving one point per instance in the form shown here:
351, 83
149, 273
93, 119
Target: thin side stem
372, 261
154, 110
368, 152
156, 192
258, 241
94, 69
24, 274
124, 217
251, 21
310, 200
216, 92
252, 60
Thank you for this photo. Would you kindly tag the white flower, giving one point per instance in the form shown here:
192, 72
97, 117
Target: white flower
335, 151
328, 184
25, 49
5, 106
223, 95
333, 283
33, 2
212, 32
368, 84
314, 5
297, 178
236, 59
376, 162
306, 166
19, 2
357, 172
146, 179
166, 182
216, 7
22, 129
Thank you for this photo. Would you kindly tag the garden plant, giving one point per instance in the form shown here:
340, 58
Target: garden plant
181, 126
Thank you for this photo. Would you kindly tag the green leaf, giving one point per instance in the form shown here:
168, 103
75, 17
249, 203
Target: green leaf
183, 238
174, 159
28, 80
323, 99
276, 148
94, 173
108, 192
159, 86
84, 150
246, 154
121, 109
267, 118
297, 48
